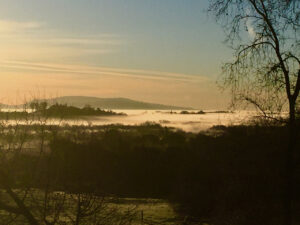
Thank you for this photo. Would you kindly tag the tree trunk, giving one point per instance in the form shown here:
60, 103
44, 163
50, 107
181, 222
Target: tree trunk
290, 167
23, 209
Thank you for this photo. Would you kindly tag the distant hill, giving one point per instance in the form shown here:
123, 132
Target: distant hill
111, 103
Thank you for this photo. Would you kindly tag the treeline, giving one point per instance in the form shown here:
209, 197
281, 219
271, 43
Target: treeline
63, 111
233, 175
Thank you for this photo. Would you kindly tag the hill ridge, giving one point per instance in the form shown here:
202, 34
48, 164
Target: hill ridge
107, 103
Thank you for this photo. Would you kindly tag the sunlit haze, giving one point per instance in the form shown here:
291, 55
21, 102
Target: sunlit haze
167, 52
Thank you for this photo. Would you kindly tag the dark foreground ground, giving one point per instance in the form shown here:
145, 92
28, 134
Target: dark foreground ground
227, 175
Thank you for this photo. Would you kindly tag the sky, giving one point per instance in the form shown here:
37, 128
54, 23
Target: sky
162, 51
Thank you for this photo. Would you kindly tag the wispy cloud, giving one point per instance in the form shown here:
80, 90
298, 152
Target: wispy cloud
249, 25
250, 29
86, 72
8, 26
83, 41
36, 41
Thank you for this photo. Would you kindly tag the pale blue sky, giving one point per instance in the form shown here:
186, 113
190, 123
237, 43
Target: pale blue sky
133, 36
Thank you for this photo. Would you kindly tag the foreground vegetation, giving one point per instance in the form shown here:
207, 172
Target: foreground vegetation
226, 175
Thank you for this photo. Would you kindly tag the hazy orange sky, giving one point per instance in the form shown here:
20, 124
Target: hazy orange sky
167, 52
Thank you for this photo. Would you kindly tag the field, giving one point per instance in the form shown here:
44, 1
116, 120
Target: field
135, 210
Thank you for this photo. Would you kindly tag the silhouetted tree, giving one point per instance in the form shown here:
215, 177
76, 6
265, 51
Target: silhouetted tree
265, 71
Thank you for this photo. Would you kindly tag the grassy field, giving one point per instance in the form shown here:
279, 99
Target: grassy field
151, 211
140, 211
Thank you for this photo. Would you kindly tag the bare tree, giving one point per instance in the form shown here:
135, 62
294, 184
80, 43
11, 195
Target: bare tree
265, 71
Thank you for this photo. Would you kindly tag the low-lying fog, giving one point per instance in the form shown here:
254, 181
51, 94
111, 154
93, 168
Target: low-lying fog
187, 122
